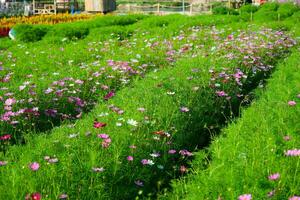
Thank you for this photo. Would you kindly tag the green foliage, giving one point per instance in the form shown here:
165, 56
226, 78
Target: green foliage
5, 43
70, 32
286, 10
162, 92
249, 8
268, 7
220, 9
30, 33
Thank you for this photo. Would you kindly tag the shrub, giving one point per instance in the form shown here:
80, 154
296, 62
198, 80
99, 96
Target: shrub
221, 9
268, 7
70, 32
30, 33
248, 8
265, 16
286, 10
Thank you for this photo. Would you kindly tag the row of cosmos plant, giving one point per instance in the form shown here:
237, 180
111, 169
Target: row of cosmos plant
263, 163
132, 109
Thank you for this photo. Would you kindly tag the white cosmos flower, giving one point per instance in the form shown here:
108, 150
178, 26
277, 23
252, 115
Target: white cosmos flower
132, 122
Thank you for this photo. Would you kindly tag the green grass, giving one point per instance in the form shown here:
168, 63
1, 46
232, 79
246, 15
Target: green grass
169, 105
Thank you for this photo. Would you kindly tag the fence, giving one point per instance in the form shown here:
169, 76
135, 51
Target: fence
163, 9
9, 9
12, 9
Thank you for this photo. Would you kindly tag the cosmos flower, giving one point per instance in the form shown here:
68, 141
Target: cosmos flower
34, 166
184, 109
33, 196
132, 122
99, 124
295, 198
10, 101
245, 197
292, 103
139, 183
103, 136
98, 169
109, 95
5, 137
292, 152
274, 177
63, 196
3, 163
130, 158
172, 151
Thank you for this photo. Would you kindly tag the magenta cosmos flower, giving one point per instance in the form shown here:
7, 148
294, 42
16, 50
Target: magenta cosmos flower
34, 166
245, 197
33, 196
130, 158
109, 95
99, 124
5, 137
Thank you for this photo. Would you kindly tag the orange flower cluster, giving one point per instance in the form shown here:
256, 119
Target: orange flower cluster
44, 19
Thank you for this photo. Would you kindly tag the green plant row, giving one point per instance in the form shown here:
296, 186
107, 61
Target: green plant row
42, 65
263, 13
246, 155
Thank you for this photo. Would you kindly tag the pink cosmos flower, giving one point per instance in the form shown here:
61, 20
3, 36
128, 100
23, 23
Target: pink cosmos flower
183, 169
99, 124
274, 177
144, 161
103, 136
10, 101
295, 198
129, 158
245, 197
132, 147
3, 163
34, 166
271, 193
287, 138
172, 151
185, 152
292, 103
292, 152
221, 93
